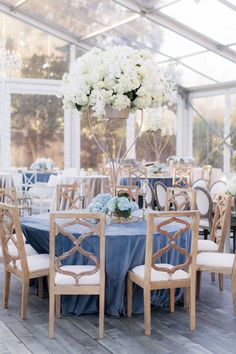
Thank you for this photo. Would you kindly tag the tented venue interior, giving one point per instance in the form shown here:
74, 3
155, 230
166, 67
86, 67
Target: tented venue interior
117, 176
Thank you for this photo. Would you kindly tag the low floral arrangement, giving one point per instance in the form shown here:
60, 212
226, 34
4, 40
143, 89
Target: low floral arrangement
159, 168
231, 186
121, 207
42, 164
99, 203
118, 206
120, 76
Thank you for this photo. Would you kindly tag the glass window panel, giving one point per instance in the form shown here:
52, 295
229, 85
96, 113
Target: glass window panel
213, 65
77, 17
210, 17
186, 77
37, 129
233, 136
206, 143
143, 33
43, 56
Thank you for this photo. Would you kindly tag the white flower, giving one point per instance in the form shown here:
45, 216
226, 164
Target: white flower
120, 76
231, 186
162, 119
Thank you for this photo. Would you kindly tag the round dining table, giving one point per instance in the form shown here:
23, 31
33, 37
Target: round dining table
124, 249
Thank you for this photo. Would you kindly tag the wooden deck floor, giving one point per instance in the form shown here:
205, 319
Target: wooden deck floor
216, 328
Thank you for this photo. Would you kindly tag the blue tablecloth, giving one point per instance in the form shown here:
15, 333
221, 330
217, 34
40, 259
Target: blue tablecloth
42, 177
166, 180
125, 249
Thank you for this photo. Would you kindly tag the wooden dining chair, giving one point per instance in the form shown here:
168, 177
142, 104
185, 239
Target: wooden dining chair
8, 195
15, 257
70, 196
219, 231
216, 262
136, 174
204, 204
180, 199
181, 177
79, 279
155, 275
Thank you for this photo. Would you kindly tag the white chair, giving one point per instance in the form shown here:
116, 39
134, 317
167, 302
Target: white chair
221, 263
150, 196
16, 261
200, 183
218, 186
205, 206
160, 190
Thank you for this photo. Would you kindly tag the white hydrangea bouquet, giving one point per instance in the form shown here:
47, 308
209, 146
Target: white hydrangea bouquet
99, 203
231, 186
158, 125
42, 163
120, 76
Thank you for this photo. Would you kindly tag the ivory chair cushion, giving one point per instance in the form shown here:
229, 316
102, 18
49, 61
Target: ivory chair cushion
29, 250
215, 260
207, 246
161, 276
63, 279
36, 262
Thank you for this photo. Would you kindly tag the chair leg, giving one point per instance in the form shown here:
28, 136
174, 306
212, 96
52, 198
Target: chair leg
213, 277
199, 281
147, 311
101, 314
192, 308
58, 306
221, 281
40, 287
205, 233
6, 288
24, 298
51, 327
186, 298
129, 296
172, 299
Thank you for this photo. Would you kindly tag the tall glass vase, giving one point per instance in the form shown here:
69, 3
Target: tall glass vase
113, 157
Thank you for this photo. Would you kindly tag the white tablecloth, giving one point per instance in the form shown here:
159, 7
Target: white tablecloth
95, 185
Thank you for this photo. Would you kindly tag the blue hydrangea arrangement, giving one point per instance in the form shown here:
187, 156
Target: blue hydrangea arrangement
99, 203
121, 206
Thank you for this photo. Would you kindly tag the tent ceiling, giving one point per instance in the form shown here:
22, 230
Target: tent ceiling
197, 37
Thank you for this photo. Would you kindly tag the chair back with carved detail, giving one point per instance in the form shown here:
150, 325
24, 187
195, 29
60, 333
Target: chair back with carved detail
181, 177
131, 192
70, 196
180, 199
12, 241
136, 174
87, 276
158, 222
221, 220
8, 195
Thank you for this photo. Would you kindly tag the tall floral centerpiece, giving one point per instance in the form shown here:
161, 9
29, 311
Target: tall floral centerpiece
157, 126
108, 84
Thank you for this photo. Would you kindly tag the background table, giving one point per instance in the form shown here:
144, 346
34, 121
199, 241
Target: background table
6, 180
95, 185
166, 180
124, 249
